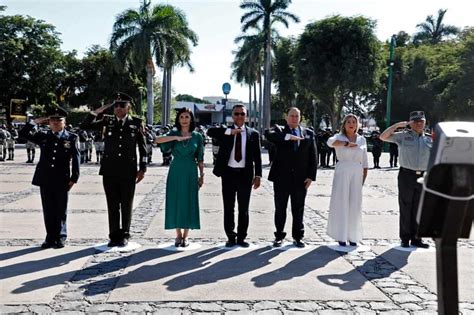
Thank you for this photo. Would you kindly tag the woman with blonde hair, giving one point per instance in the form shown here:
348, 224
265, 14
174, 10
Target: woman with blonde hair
345, 208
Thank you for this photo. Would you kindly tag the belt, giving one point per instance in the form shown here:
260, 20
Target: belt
407, 170
236, 169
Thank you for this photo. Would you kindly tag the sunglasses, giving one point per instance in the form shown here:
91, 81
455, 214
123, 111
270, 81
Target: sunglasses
239, 114
120, 104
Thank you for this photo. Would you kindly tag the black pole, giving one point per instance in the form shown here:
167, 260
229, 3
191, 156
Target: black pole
446, 245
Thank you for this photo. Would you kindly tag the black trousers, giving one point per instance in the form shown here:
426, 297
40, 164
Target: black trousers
281, 197
408, 198
119, 193
236, 182
54, 202
393, 158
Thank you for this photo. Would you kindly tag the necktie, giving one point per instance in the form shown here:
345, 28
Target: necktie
295, 143
238, 147
120, 123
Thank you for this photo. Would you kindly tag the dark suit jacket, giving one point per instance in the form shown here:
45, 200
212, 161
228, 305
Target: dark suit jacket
292, 167
253, 158
120, 145
59, 160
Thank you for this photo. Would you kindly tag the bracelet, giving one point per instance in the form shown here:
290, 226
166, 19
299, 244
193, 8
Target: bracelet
346, 144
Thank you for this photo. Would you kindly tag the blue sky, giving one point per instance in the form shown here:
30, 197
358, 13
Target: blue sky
83, 23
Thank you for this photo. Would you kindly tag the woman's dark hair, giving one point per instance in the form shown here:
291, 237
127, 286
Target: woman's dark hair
192, 125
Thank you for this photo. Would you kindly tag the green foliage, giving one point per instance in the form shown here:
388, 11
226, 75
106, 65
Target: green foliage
190, 98
433, 30
30, 59
337, 58
284, 69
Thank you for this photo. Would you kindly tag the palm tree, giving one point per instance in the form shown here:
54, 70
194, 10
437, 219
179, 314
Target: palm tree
177, 52
433, 30
266, 12
139, 35
247, 65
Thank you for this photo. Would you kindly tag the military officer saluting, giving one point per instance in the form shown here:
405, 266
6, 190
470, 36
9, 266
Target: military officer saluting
57, 171
414, 147
122, 134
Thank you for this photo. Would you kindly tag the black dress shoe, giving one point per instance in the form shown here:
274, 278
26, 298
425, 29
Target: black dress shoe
230, 243
123, 242
243, 244
405, 244
342, 243
299, 243
419, 243
47, 244
277, 243
352, 243
59, 244
112, 243
177, 242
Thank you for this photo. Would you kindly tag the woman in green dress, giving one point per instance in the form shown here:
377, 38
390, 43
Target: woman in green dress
182, 184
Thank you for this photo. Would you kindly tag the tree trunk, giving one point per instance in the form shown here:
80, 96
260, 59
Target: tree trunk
163, 98
260, 103
250, 110
255, 104
168, 96
150, 71
267, 87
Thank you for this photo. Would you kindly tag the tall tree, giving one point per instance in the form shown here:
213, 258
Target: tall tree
264, 14
246, 67
138, 35
29, 58
337, 58
433, 30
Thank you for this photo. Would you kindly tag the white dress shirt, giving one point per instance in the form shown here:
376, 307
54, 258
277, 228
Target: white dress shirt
232, 162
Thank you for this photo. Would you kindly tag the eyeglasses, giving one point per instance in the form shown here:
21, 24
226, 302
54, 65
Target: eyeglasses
120, 104
239, 114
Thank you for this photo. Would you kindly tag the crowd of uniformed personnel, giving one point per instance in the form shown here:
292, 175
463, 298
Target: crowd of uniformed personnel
116, 137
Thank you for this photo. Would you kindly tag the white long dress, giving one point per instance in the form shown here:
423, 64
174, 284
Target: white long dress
345, 208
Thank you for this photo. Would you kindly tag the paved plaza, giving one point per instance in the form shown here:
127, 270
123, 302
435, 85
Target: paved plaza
377, 278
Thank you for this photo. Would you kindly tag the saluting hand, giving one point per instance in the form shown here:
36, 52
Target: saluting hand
295, 138
102, 108
235, 131
41, 120
352, 145
140, 176
182, 138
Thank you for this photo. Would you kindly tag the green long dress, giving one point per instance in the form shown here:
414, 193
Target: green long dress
182, 202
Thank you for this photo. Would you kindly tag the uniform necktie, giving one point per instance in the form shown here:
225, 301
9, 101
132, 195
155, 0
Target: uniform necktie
121, 123
295, 143
238, 147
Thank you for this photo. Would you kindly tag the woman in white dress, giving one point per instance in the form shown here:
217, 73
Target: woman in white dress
345, 208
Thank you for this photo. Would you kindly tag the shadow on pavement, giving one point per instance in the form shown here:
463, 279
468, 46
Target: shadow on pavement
156, 271
88, 272
310, 261
225, 269
376, 268
20, 252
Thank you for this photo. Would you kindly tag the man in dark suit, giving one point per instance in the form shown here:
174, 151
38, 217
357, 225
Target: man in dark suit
122, 134
239, 164
292, 172
57, 171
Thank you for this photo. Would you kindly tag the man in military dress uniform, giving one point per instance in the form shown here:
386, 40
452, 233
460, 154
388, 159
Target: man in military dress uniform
122, 134
414, 147
4, 136
57, 171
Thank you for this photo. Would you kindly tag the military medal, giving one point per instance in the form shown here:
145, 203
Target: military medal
67, 144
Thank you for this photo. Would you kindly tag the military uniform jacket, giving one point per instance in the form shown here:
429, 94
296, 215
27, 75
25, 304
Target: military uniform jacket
414, 150
291, 166
120, 144
59, 160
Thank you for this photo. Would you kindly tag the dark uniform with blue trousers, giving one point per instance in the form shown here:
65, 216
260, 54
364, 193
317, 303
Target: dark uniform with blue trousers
58, 165
414, 150
119, 168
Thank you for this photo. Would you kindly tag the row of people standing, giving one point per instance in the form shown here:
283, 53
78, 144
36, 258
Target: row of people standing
238, 164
